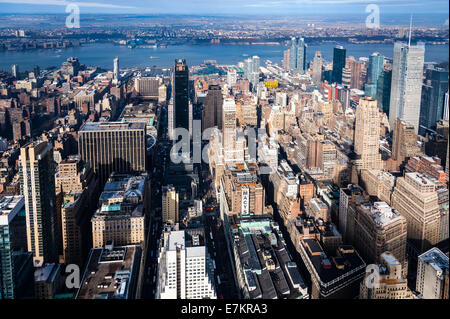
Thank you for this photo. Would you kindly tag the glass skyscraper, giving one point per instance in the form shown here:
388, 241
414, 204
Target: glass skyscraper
433, 98
407, 74
15, 263
298, 55
339, 54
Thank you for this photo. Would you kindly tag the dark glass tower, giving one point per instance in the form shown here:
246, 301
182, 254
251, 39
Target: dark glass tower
181, 94
384, 90
433, 97
338, 63
212, 111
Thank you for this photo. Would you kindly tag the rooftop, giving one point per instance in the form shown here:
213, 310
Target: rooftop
110, 273
111, 126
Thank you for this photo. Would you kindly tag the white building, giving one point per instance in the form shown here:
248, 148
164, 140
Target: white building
184, 268
406, 87
432, 268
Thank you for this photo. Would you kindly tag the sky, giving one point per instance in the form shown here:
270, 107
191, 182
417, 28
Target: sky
219, 7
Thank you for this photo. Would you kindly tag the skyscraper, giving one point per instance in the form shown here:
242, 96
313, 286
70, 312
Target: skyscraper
384, 90
231, 78
404, 143
14, 262
317, 68
15, 71
184, 267
229, 124
406, 87
212, 109
116, 69
339, 54
433, 98
298, 55
37, 185
113, 147
415, 197
181, 95
367, 134
376, 67
170, 204
379, 228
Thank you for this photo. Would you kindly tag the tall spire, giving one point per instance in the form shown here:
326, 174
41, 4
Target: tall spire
410, 30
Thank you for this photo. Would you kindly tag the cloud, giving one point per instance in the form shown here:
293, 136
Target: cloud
65, 3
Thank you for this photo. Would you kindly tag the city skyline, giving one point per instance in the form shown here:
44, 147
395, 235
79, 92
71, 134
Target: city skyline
191, 156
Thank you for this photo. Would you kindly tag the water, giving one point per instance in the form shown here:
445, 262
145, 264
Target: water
102, 54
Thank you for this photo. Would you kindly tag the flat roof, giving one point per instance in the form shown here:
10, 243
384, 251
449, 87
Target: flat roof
112, 126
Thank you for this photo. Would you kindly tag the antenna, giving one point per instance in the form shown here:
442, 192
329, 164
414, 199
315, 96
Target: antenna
410, 27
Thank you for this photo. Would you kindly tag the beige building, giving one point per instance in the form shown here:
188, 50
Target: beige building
390, 283
113, 147
378, 183
379, 228
404, 144
170, 204
121, 216
367, 134
416, 198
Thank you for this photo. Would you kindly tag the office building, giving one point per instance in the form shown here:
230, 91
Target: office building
243, 190
47, 281
116, 70
334, 275
182, 114
231, 78
229, 124
298, 55
15, 71
379, 228
367, 135
432, 106
404, 143
349, 198
378, 183
415, 197
339, 54
317, 68
185, 269
212, 108
432, 274
16, 265
406, 87
148, 87
113, 147
37, 185
112, 272
124, 205
384, 91
392, 284
376, 67
170, 205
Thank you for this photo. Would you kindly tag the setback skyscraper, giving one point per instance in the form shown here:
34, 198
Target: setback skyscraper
406, 87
